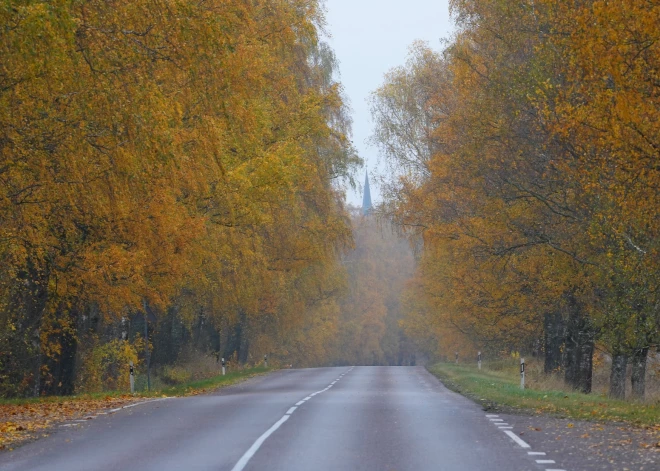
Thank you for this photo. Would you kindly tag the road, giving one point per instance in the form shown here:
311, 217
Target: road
362, 418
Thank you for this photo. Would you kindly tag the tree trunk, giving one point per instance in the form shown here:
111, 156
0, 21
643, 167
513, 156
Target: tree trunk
580, 340
618, 376
553, 341
638, 377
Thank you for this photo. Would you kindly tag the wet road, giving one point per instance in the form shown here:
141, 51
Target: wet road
362, 418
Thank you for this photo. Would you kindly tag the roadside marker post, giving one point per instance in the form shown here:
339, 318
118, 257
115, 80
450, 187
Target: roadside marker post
132, 377
456, 353
479, 360
266, 361
224, 371
522, 373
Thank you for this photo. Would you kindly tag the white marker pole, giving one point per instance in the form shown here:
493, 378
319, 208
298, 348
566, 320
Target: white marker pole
479, 360
266, 361
456, 357
223, 367
522, 373
132, 377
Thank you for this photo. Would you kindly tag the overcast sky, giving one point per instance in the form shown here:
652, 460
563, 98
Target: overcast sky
370, 37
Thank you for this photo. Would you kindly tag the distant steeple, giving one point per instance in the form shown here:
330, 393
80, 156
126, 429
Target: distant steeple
366, 200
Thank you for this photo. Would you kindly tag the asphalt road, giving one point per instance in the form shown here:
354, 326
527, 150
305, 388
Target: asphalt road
362, 418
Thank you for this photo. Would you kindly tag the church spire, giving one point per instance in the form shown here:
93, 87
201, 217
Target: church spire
366, 200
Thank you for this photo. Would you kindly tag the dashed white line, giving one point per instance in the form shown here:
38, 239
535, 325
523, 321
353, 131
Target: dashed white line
240, 465
256, 445
492, 415
505, 428
542, 453
545, 461
517, 439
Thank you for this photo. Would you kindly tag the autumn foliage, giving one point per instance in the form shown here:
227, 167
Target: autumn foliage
525, 156
176, 161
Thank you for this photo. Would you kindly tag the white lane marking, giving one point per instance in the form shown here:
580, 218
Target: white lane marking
300, 403
545, 461
69, 425
496, 420
256, 445
517, 439
137, 404
260, 441
550, 469
542, 453
501, 423
505, 428
492, 415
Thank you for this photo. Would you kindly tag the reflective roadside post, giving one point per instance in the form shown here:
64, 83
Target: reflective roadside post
131, 371
224, 371
456, 353
479, 360
522, 373
266, 361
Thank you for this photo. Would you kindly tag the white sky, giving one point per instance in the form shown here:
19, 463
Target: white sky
369, 38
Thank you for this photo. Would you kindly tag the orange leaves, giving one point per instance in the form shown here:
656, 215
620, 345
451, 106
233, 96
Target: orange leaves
20, 422
183, 154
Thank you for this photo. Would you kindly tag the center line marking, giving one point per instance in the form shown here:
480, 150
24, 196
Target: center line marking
545, 461
256, 445
542, 453
240, 465
517, 439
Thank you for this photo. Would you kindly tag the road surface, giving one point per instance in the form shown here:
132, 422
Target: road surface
362, 418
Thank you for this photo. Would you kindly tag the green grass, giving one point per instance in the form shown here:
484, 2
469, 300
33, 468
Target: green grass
501, 390
184, 389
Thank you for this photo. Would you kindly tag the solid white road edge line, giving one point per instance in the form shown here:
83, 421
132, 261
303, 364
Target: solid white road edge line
517, 439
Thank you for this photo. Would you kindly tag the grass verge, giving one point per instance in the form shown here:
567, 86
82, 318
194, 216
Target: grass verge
26, 419
501, 390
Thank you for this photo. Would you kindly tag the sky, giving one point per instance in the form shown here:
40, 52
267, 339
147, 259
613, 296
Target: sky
369, 38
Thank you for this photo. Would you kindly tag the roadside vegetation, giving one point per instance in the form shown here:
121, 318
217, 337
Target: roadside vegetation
24, 419
522, 163
171, 189
497, 387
